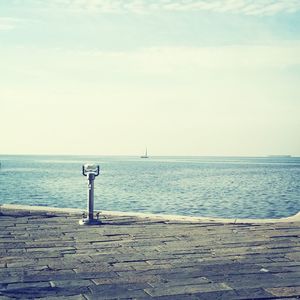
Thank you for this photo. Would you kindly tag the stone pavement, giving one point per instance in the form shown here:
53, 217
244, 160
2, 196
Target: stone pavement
46, 254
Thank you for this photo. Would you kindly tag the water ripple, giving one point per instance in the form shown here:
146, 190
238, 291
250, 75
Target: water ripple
221, 187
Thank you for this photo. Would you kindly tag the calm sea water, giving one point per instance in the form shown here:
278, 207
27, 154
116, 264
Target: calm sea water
195, 186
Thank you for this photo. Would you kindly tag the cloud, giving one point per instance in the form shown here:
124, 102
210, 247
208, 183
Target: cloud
246, 7
8, 23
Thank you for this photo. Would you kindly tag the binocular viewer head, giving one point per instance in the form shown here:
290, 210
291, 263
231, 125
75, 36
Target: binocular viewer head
90, 169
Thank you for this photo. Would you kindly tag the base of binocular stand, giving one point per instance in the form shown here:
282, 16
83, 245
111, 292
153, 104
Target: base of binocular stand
89, 222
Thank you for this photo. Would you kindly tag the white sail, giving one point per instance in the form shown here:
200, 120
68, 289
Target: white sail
145, 155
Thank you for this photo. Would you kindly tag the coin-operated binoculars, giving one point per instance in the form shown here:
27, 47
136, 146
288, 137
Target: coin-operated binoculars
91, 171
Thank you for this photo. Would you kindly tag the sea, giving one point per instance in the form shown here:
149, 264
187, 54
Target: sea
230, 187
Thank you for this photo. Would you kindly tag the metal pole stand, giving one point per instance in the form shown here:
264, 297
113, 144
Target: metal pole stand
91, 171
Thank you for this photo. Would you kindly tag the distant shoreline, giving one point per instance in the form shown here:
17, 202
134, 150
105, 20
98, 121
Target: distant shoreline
152, 156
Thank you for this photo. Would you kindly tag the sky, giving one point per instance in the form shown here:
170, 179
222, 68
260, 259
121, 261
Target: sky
180, 77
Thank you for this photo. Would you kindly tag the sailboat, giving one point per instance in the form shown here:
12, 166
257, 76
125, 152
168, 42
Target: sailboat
145, 155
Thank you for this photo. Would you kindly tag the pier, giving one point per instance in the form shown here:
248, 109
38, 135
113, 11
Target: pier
45, 253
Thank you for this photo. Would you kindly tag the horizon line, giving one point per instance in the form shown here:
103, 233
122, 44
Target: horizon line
157, 155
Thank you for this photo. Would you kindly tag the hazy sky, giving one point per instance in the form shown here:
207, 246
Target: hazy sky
184, 77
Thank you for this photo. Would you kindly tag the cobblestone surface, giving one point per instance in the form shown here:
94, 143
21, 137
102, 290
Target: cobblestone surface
49, 255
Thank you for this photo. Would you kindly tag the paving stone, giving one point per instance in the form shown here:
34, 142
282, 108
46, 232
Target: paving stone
50, 256
294, 256
252, 293
287, 298
173, 297
128, 280
4, 297
11, 279
92, 275
20, 263
62, 265
45, 249
94, 267
49, 276
34, 293
288, 275
257, 281
9, 245
186, 289
284, 291
177, 282
75, 297
70, 283
25, 285
218, 295
118, 291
